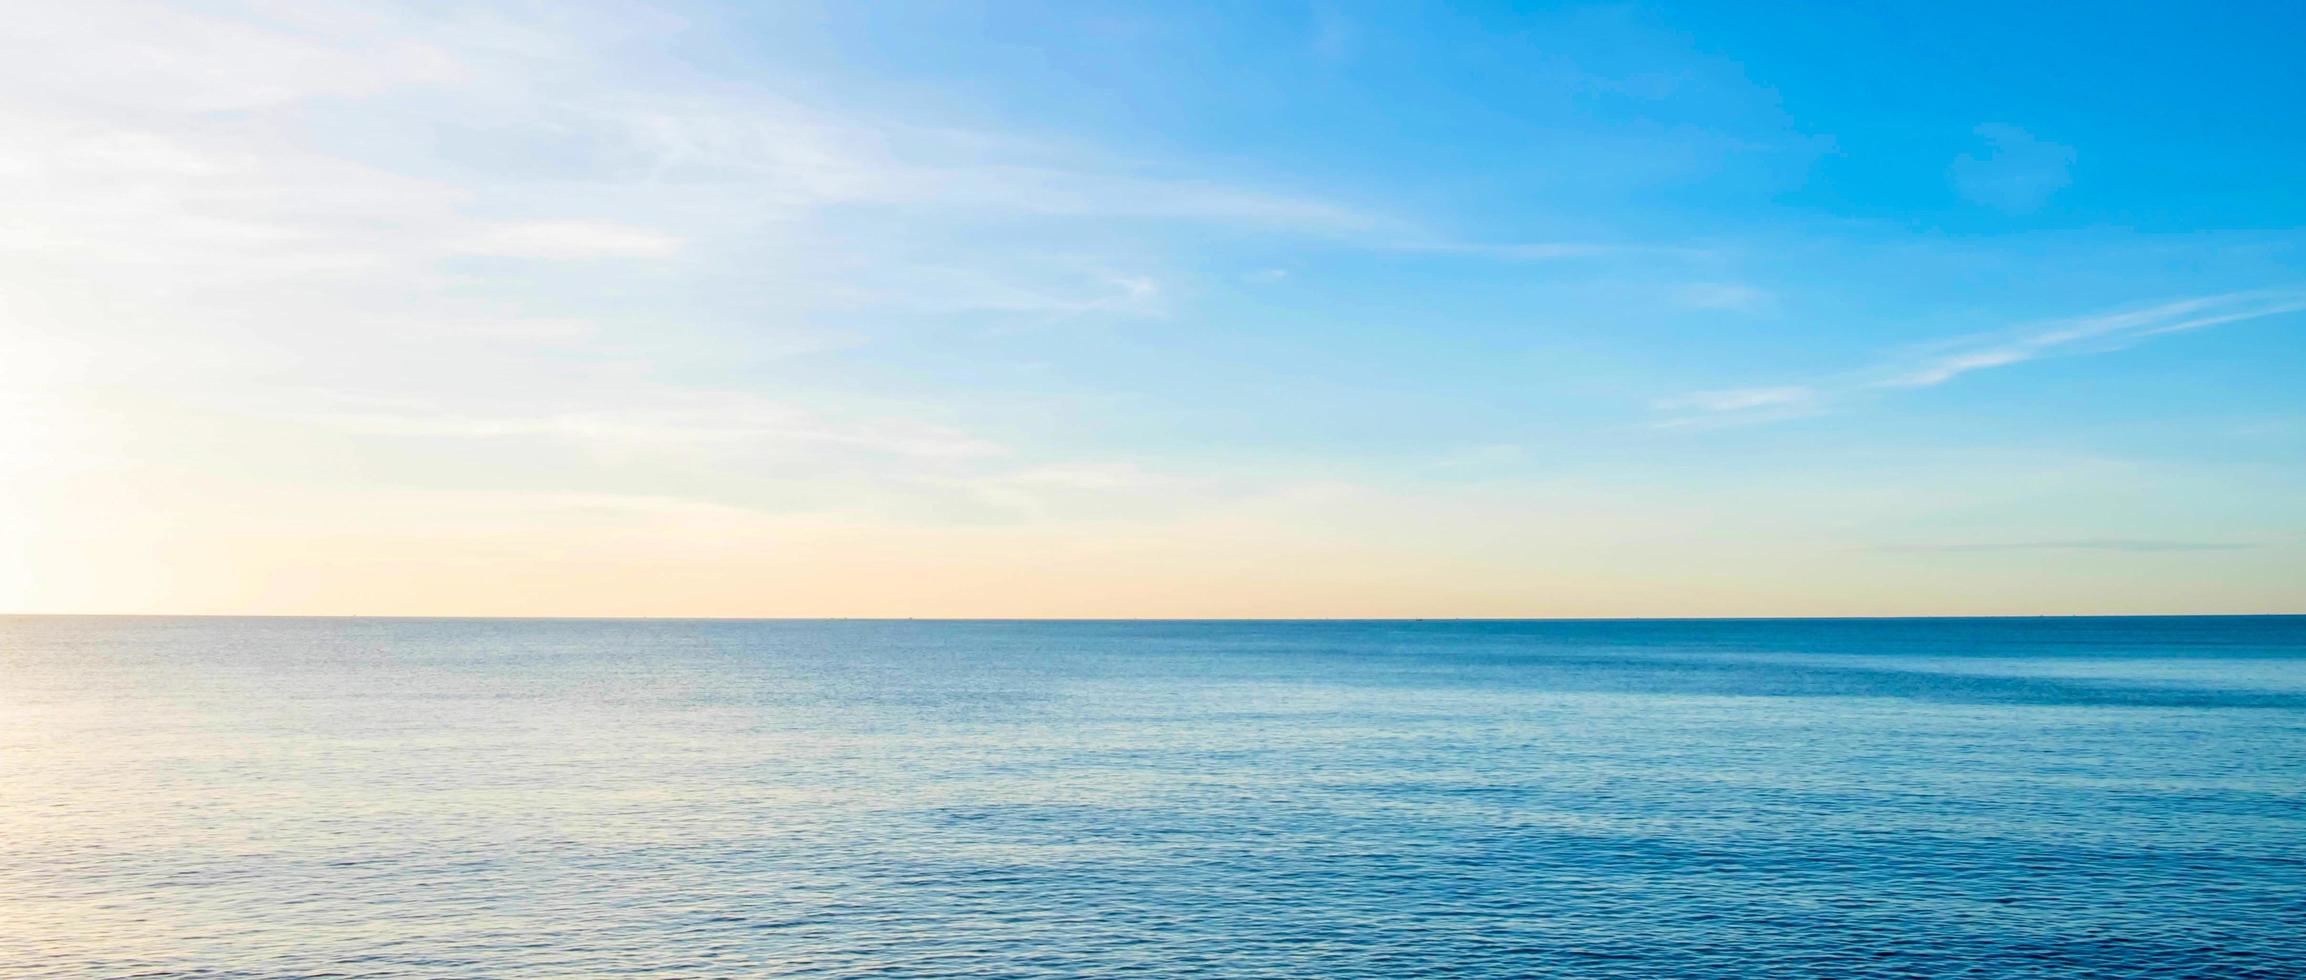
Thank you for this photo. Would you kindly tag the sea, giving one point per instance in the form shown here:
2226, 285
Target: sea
263, 797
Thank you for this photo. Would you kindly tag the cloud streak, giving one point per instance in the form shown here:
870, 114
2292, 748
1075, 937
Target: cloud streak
679, 422
1952, 359
2145, 545
1546, 251
568, 240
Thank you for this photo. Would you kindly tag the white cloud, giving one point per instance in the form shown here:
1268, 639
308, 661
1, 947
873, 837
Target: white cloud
1952, 359
2137, 545
202, 161
1410, 240
1032, 292
277, 203
567, 240
1741, 399
159, 57
2104, 332
676, 422
1514, 251
1135, 289
792, 155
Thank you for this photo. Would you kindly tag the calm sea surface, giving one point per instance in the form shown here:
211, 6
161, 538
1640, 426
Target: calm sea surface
278, 797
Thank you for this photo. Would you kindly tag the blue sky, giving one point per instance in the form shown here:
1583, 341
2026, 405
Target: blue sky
1154, 309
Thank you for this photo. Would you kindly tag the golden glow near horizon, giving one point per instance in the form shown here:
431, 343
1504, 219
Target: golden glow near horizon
347, 308
257, 550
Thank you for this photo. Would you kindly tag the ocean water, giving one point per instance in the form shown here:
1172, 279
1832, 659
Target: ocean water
1920, 798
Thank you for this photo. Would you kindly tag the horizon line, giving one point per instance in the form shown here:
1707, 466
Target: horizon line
1155, 619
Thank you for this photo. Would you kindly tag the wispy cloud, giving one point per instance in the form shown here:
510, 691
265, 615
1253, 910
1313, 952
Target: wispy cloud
180, 143
1546, 251
2078, 544
2092, 334
304, 203
795, 155
674, 422
567, 240
1951, 359
1741, 399
1028, 296
1735, 297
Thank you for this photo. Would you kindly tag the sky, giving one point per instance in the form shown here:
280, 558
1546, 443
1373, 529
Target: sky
1081, 309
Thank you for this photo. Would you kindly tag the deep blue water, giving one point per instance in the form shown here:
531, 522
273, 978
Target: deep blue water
277, 797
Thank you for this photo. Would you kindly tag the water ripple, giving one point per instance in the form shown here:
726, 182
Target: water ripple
257, 798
